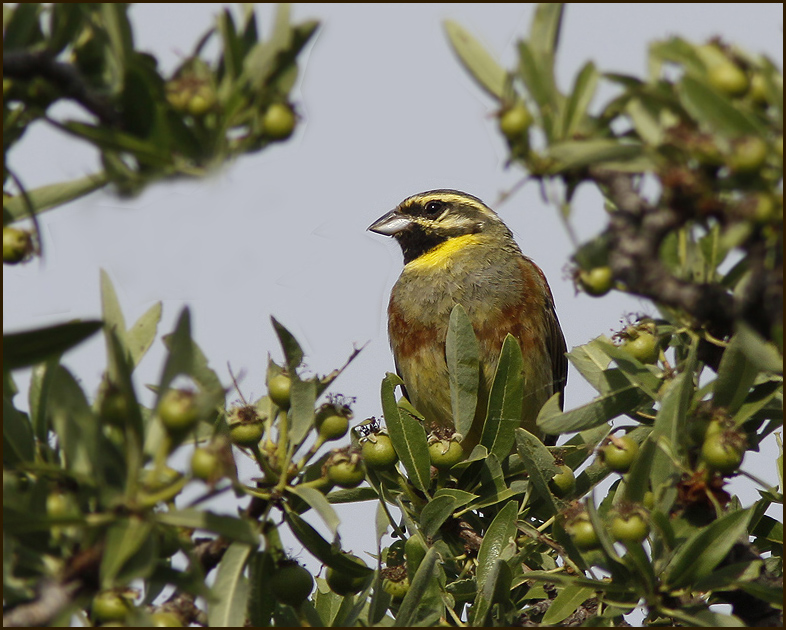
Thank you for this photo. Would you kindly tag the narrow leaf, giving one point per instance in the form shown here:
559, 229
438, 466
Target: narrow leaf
320, 505
236, 529
714, 111
566, 603
142, 334
481, 66
702, 552
505, 401
421, 605
407, 435
34, 346
600, 410
227, 606
579, 99
540, 465
52, 196
293, 354
500, 534
461, 352
736, 375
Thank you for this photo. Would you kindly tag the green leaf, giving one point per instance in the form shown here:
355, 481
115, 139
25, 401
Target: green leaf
353, 495
320, 505
591, 361
494, 588
736, 375
539, 80
236, 529
320, 548
638, 481
124, 541
301, 415
18, 442
230, 594
34, 346
142, 334
461, 352
714, 111
545, 29
506, 401
436, 512
181, 352
500, 535
671, 419
51, 196
566, 603
600, 410
575, 154
23, 27
263, 603
645, 121
762, 353
541, 467
75, 425
40, 386
407, 435
232, 51
422, 604
578, 101
293, 354
481, 66
633, 369
700, 554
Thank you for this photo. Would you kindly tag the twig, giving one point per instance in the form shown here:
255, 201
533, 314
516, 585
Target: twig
27, 65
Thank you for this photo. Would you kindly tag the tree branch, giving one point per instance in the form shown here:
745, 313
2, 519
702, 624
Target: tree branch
27, 65
636, 231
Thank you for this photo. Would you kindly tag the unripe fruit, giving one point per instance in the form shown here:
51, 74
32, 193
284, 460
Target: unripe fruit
346, 474
17, 245
332, 426
378, 452
515, 121
164, 619
246, 434
729, 78
582, 533
279, 121
109, 606
631, 529
721, 452
597, 281
205, 464
343, 584
178, 411
62, 505
748, 155
649, 500
445, 454
396, 590
644, 348
279, 390
563, 482
758, 89
292, 584
619, 454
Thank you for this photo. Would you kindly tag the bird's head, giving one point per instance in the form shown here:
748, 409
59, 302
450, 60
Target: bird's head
424, 221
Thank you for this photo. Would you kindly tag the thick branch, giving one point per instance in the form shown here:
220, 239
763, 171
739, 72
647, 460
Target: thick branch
26, 65
637, 230
52, 598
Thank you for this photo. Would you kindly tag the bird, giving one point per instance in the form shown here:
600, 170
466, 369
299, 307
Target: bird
457, 250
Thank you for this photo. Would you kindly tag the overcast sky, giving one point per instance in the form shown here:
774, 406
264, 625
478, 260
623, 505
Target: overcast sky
387, 112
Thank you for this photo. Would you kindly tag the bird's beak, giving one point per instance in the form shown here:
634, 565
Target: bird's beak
391, 224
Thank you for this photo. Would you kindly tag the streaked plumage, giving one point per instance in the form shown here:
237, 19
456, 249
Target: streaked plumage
457, 250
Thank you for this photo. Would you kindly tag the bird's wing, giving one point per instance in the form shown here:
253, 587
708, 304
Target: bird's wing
555, 343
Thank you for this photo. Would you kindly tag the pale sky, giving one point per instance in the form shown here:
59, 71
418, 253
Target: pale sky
387, 112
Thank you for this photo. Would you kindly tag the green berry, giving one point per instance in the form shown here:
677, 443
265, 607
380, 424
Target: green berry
343, 584
445, 454
178, 411
619, 454
515, 121
279, 121
17, 245
378, 452
279, 389
292, 584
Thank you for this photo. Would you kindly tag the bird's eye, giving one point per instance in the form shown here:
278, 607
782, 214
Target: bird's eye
434, 207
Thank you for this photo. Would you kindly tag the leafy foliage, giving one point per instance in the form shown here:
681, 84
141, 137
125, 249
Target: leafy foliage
91, 506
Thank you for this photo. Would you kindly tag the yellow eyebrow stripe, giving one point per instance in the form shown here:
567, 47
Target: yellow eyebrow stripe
440, 256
